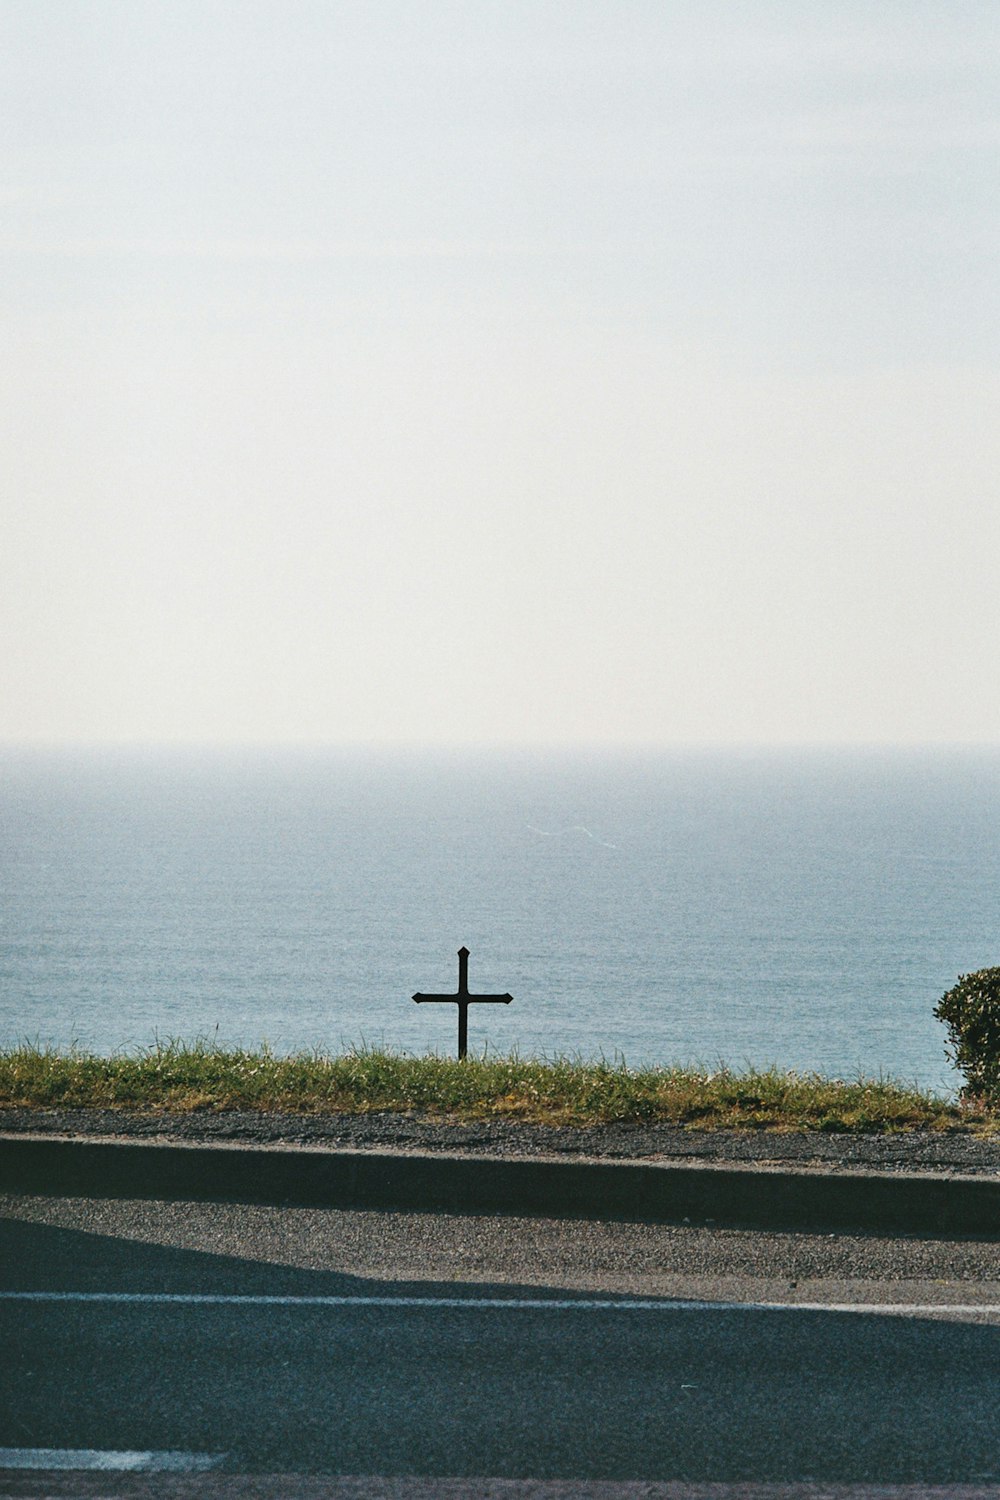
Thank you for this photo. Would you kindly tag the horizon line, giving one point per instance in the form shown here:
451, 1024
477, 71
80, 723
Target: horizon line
529, 746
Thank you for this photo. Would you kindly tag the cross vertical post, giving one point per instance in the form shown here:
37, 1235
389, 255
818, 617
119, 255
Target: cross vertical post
462, 1000
463, 1005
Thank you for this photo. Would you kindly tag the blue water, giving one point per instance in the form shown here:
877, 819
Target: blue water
805, 908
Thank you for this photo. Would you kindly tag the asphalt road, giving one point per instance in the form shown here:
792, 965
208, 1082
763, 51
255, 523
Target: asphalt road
430, 1345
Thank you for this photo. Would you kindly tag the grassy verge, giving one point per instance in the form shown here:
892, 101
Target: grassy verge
177, 1077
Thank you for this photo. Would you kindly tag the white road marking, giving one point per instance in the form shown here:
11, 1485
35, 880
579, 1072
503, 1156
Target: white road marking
502, 1304
107, 1459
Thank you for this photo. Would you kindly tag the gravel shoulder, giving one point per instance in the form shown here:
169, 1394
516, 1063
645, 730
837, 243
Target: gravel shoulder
952, 1152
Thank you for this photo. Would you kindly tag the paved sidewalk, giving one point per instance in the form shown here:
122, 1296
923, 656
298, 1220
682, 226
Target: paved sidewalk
951, 1152
871, 1184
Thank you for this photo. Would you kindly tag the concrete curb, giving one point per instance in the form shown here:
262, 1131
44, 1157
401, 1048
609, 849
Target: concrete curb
805, 1199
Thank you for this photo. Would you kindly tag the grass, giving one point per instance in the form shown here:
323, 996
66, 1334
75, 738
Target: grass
177, 1077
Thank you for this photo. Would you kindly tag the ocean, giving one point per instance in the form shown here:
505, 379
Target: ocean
805, 908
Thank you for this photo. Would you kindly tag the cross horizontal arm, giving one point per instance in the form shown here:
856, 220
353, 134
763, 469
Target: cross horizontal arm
466, 999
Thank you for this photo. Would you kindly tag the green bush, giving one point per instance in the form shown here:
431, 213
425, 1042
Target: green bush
971, 1012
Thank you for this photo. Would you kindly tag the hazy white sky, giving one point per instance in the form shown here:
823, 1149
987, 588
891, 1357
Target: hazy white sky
488, 370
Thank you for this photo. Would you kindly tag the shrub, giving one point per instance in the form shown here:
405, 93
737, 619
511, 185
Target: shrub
971, 1012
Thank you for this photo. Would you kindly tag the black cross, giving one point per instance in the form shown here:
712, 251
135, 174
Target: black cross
463, 1000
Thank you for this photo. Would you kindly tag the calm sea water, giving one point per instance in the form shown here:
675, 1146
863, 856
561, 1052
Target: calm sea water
804, 908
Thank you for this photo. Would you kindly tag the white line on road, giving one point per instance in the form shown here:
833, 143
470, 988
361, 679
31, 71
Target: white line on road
107, 1459
501, 1304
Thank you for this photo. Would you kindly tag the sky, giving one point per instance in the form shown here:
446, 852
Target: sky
499, 371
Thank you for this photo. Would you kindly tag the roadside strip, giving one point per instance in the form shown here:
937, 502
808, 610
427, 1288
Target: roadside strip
808, 1199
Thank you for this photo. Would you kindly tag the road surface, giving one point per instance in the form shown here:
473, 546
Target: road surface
326, 1342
